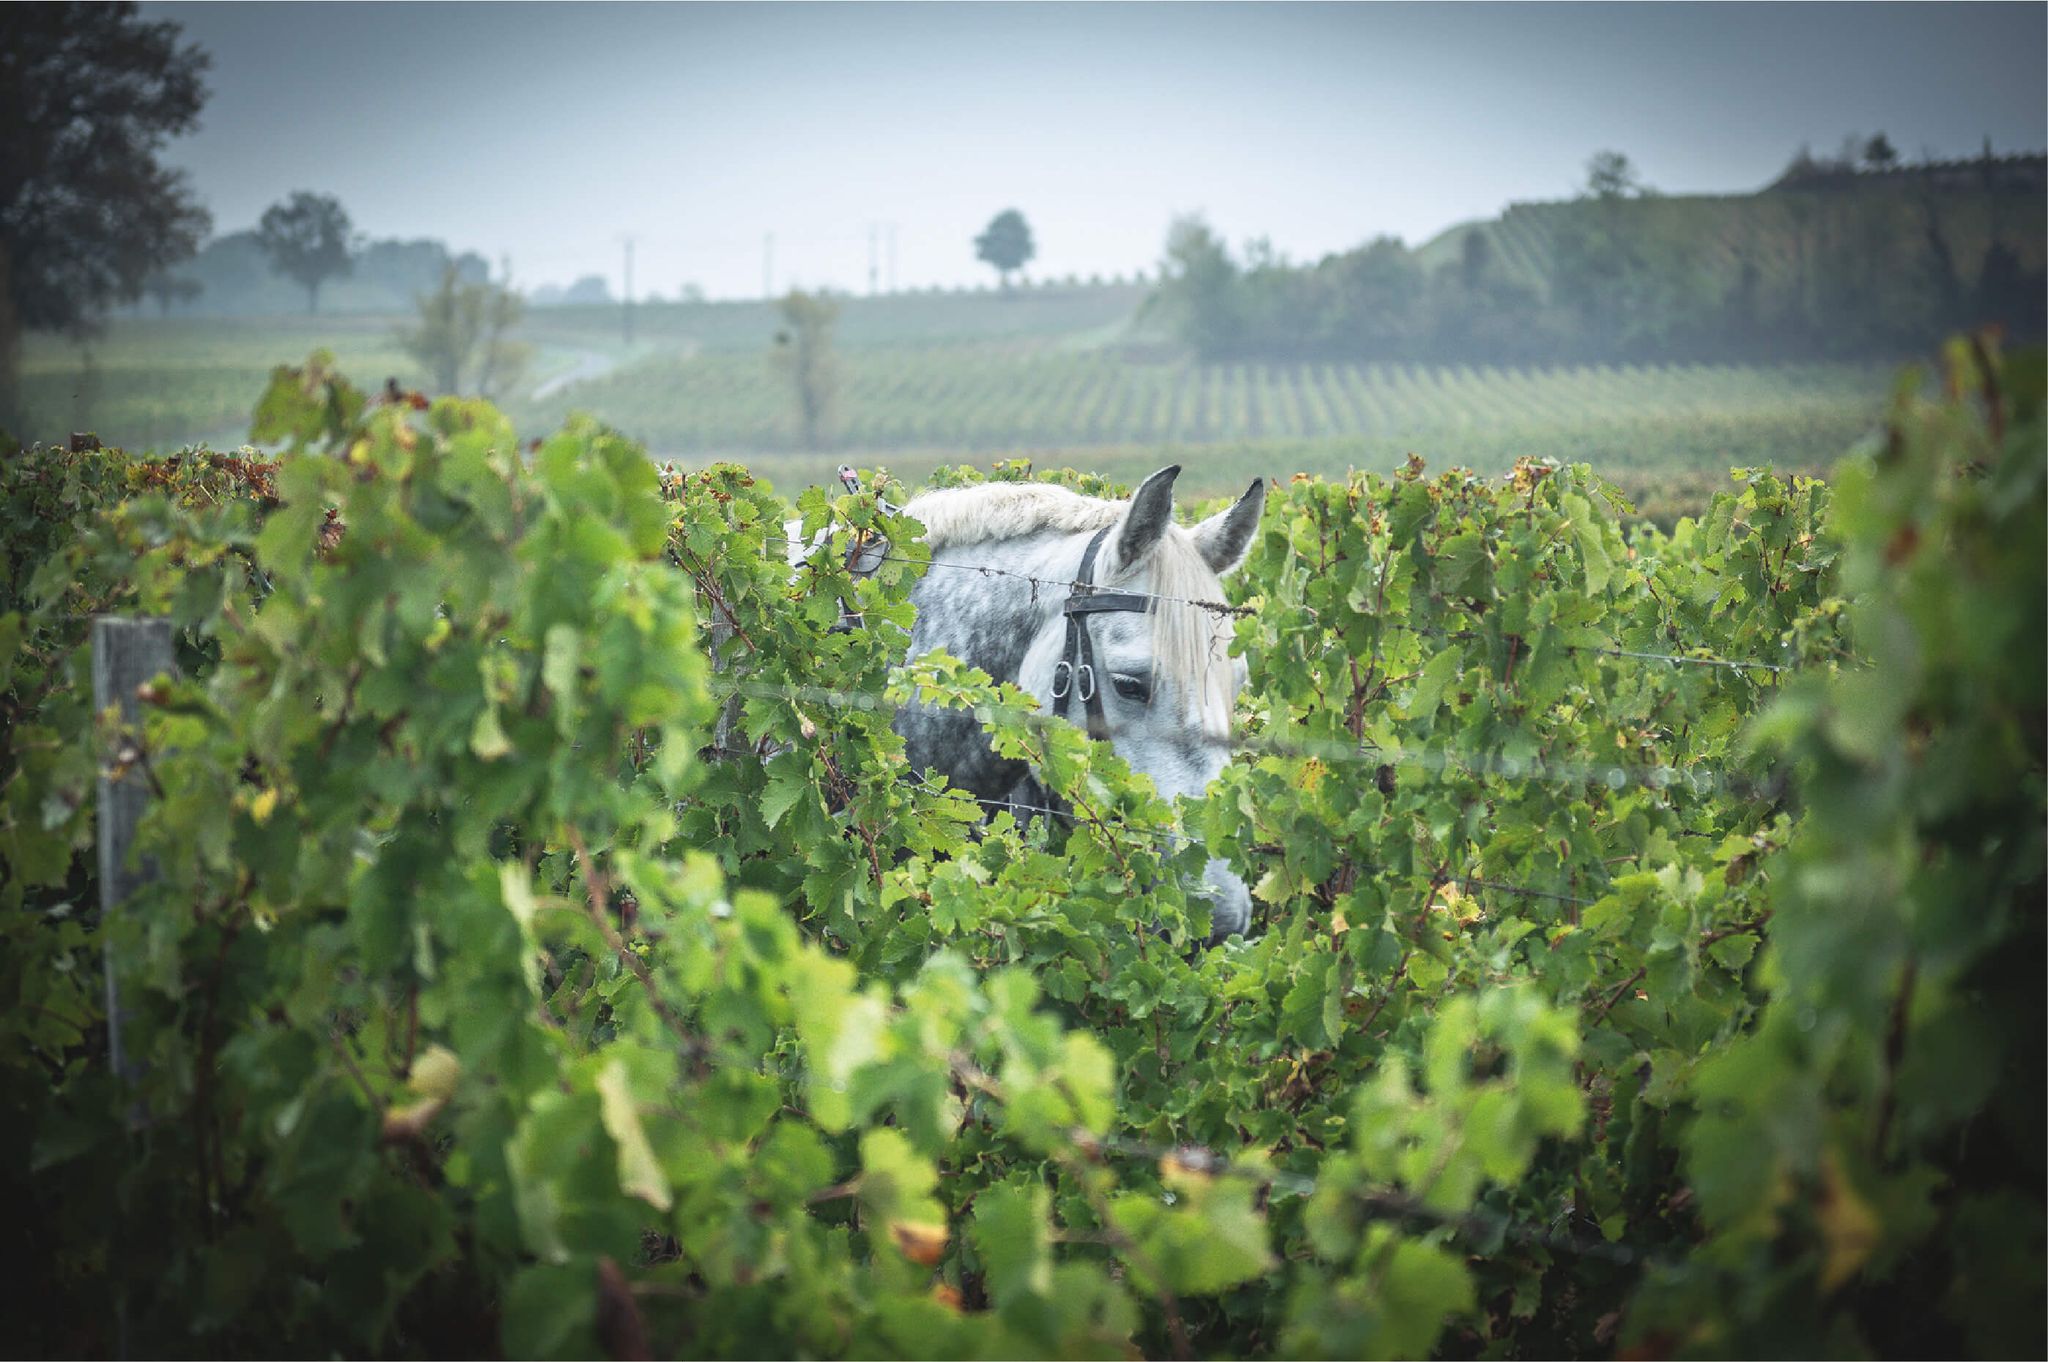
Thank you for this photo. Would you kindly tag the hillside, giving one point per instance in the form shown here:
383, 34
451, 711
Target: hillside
1888, 224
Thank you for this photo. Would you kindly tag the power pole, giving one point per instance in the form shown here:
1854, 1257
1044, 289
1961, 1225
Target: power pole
626, 315
768, 265
872, 269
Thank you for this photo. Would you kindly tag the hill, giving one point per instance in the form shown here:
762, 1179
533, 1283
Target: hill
1897, 226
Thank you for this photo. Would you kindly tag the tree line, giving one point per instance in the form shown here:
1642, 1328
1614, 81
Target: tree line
1624, 274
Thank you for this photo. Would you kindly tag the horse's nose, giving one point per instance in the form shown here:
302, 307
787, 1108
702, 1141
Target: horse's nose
1230, 903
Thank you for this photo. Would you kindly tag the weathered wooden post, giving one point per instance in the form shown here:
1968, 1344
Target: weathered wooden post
125, 654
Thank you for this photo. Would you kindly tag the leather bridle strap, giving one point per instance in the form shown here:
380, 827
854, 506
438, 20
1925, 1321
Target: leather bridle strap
1075, 671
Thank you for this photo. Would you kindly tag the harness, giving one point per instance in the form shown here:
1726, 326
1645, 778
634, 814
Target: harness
1075, 672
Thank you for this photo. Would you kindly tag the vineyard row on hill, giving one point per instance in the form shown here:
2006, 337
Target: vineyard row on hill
989, 400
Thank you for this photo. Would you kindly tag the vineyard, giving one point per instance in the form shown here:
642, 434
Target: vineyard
544, 950
1005, 398
924, 380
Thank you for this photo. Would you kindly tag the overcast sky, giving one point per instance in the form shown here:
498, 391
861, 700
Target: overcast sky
546, 133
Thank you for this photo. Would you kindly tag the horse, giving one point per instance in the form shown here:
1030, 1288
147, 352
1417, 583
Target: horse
1127, 650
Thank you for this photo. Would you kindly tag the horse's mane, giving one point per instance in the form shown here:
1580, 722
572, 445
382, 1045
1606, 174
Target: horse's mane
1007, 510
1189, 644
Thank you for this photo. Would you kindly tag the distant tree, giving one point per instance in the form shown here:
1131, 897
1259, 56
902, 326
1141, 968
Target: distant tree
804, 353
1198, 288
1006, 244
464, 331
88, 94
1879, 153
167, 288
307, 239
1611, 175
691, 293
1475, 258
591, 288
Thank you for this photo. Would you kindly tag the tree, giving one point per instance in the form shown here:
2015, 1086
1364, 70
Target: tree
1611, 175
1475, 257
1198, 288
306, 238
167, 288
88, 95
464, 329
1879, 154
803, 351
1006, 244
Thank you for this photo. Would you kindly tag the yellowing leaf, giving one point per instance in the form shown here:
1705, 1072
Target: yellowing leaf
639, 1171
263, 805
1847, 1225
488, 738
921, 1243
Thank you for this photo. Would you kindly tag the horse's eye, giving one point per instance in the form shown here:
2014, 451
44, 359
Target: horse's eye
1131, 687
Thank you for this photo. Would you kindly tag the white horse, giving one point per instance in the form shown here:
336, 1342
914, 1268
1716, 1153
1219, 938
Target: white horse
1153, 677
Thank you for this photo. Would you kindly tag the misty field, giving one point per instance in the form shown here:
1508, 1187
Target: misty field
1062, 376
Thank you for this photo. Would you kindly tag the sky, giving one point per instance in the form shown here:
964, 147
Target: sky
548, 134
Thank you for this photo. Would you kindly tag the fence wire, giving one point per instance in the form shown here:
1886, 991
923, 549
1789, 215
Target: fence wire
1698, 658
1694, 780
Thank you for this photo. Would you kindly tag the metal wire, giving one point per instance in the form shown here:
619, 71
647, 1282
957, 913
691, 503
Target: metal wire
1692, 779
1216, 607
1243, 611
1197, 1159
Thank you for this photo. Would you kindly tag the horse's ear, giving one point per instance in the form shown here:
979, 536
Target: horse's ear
1144, 524
1225, 537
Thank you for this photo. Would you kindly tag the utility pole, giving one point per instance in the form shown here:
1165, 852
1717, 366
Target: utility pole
873, 271
768, 265
627, 312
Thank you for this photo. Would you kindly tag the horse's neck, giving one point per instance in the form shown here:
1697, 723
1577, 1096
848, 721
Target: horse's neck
988, 621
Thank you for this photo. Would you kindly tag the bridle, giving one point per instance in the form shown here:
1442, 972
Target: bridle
1075, 672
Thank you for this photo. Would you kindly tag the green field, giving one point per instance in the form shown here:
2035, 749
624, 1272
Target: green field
1059, 375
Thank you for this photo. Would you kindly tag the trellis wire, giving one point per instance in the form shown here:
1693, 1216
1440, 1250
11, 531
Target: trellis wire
1175, 837
1201, 1160
1693, 779
1243, 611
1383, 1197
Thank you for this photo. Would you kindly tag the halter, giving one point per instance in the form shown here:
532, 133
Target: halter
1075, 671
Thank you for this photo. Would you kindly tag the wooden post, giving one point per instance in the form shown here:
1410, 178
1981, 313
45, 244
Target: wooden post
125, 654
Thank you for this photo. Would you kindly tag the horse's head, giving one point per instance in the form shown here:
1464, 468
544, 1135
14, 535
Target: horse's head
1164, 677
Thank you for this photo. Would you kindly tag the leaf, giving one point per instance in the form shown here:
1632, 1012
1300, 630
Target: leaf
487, 739
1436, 677
1592, 544
1850, 1230
1011, 1234
921, 1242
551, 1311
640, 1173
785, 787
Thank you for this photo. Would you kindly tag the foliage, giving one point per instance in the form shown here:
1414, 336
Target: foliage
88, 93
1877, 270
551, 954
1006, 244
386, 275
306, 238
804, 355
464, 331
1611, 175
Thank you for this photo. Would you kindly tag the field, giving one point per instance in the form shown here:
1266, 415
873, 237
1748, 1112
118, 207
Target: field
1062, 375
